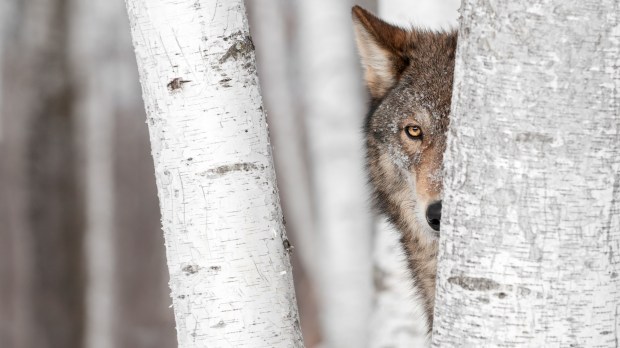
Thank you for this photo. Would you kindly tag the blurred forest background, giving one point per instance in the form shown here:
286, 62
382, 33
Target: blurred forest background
82, 260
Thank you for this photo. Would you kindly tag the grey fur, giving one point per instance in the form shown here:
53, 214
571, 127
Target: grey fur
409, 75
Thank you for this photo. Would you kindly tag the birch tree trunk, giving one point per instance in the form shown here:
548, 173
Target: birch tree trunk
334, 110
529, 253
227, 250
91, 58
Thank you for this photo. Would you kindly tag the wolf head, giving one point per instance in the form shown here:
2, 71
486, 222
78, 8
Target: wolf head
409, 76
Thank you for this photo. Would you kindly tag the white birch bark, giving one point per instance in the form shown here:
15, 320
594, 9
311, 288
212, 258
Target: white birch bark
529, 253
398, 317
334, 111
95, 70
227, 250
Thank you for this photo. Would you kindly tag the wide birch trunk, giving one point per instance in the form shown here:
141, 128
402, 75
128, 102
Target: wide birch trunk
227, 250
529, 251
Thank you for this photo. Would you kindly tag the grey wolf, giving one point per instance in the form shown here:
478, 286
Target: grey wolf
408, 73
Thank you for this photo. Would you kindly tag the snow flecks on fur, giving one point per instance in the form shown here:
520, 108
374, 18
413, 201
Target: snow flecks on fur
400, 159
406, 172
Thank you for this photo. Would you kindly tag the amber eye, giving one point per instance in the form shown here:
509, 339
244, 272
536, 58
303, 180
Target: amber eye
414, 132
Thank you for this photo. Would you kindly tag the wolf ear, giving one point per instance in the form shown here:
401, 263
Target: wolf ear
382, 48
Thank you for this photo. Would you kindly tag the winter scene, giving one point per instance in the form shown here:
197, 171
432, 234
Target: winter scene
309, 173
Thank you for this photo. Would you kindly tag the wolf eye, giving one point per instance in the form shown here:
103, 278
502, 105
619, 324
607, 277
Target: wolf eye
414, 132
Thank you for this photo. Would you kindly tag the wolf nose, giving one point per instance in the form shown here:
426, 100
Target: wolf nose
433, 215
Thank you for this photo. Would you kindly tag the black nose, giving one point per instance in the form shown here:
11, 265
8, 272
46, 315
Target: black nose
433, 215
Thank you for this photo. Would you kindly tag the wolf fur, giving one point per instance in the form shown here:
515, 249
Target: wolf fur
409, 75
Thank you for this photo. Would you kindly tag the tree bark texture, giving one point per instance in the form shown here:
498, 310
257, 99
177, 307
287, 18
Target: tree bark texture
227, 250
529, 251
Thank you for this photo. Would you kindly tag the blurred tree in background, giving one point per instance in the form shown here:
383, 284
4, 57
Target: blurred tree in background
62, 61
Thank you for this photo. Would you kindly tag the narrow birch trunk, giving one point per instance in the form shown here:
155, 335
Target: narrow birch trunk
529, 253
334, 111
94, 66
227, 250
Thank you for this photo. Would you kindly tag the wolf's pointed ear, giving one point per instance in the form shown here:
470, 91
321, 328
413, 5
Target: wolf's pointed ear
382, 48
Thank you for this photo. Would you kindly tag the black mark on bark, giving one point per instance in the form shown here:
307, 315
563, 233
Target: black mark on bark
225, 82
190, 269
501, 295
474, 284
237, 167
288, 246
242, 48
176, 83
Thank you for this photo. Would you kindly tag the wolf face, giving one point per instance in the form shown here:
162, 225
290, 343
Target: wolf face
409, 76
